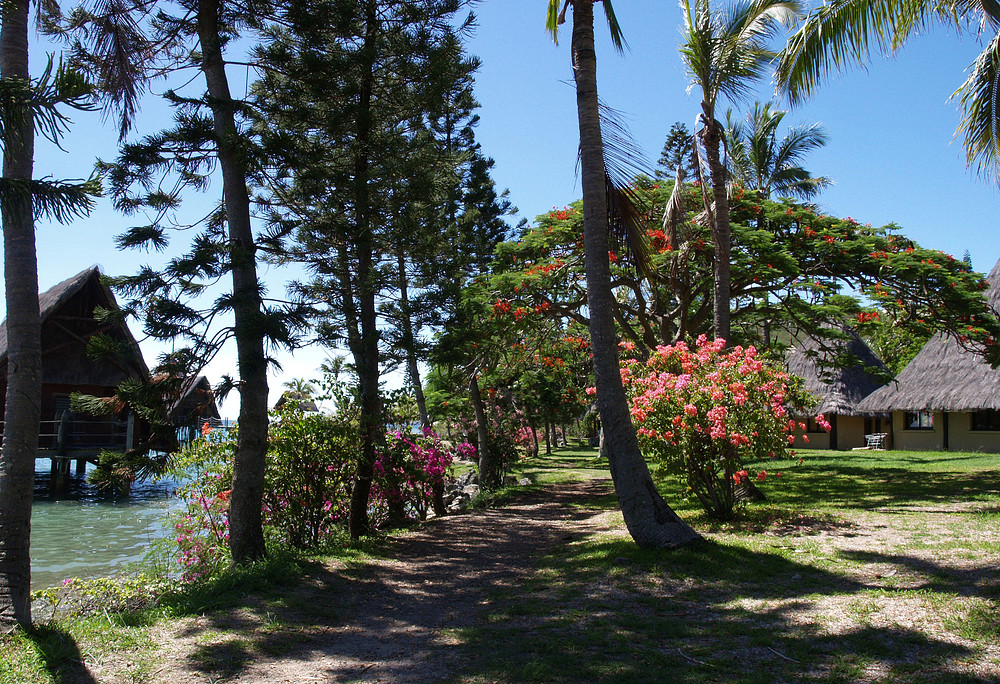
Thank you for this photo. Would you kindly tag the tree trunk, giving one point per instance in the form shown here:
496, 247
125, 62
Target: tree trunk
534, 433
24, 374
246, 535
366, 356
487, 474
409, 342
548, 437
649, 520
721, 235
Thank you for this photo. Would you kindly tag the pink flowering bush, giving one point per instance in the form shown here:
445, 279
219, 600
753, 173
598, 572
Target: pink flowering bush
703, 413
409, 473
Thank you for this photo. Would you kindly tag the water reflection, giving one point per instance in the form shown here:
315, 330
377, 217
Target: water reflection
86, 533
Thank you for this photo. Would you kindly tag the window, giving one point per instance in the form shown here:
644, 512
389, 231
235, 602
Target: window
986, 420
919, 420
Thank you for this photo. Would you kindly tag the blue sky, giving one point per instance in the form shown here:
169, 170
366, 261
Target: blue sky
891, 152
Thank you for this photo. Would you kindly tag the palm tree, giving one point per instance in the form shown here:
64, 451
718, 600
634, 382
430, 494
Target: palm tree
724, 53
649, 519
759, 161
24, 368
31, 105
841, 33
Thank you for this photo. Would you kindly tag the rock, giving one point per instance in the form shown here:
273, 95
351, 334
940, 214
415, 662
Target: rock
509, 480
470, 490
524, 481
468, 479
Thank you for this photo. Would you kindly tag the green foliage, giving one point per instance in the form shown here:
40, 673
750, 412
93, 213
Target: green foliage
128, 593
310, 466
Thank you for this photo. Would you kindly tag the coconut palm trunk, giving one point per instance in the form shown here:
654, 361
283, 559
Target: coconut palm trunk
649, 519
711, 136
24, 374
246, 536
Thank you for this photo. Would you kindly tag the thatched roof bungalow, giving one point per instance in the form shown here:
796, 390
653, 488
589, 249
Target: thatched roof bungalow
67, 324
840, 384
947, 397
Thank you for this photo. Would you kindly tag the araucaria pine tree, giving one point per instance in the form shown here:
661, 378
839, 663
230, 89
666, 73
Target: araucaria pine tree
209, 134
346, 104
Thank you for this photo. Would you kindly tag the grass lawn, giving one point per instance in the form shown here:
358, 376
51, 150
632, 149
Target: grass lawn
860, 567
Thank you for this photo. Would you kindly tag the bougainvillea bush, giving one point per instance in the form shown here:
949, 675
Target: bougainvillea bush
704, 412
409, 473
311, 461
202, 529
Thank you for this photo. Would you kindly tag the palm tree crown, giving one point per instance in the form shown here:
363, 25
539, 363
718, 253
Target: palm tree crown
759, 161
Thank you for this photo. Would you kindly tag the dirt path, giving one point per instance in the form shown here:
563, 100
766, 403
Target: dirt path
388, 620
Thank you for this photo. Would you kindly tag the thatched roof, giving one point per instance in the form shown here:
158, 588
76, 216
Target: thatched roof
50, 301
944, 376
839, 387
300, 401
197, 401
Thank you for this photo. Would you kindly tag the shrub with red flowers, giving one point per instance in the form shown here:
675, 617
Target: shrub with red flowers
202, 530
703, 413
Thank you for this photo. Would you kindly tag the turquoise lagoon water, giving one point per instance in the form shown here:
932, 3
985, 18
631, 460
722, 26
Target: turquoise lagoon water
88, 533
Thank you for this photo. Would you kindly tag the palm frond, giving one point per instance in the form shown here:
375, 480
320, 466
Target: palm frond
552, 20
841, 35
617, 37
114, 48
38, 102
979, 100
627, 209
60, 201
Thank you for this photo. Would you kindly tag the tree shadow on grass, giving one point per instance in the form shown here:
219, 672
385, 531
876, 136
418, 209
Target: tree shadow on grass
972, 579
533, 593
703, 613
888, 487
60, 655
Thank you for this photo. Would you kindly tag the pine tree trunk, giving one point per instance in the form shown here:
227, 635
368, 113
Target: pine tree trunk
24, 365
246, 535
721, 234
649, 519
365, 350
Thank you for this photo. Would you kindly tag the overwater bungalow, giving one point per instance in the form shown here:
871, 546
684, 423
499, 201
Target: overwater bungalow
67, 324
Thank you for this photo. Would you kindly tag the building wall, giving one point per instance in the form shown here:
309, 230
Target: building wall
962, 438
817, 440
960, 435
850, 432
917, 440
